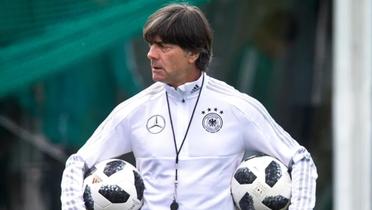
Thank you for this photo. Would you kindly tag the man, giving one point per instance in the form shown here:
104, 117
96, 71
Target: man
188, 131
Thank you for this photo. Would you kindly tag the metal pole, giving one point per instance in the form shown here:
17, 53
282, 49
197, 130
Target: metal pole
352, 104
38, 141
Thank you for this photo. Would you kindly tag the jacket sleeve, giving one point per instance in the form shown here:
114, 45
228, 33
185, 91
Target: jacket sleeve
263, 134
304, 177
110, 139
72, 184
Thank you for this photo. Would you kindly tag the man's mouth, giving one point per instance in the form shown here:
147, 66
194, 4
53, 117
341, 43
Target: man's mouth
155, 67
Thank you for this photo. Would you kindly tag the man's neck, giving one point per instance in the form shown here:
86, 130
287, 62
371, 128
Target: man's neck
191, 78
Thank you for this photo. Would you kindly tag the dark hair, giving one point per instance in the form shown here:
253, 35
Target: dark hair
185, 26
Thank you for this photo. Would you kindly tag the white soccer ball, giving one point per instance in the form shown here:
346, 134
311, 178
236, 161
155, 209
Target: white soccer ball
261, 183
113, 184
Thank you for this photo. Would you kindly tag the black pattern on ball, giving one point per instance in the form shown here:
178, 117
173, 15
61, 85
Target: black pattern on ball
138, 183
114, 193
275, 202
88, 200
273, 173
244, 176
113, 167
90, 171
246, 203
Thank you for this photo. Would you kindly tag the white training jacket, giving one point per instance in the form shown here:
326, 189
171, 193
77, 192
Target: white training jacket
225, 124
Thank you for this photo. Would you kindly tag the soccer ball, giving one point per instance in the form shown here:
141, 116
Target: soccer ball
113, 184
261, 183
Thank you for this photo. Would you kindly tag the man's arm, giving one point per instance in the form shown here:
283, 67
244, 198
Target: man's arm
72, 184
263, 134
304, 177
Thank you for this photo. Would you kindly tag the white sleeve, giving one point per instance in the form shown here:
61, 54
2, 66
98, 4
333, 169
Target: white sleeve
110, 139
304, 177
72, 184
263, 134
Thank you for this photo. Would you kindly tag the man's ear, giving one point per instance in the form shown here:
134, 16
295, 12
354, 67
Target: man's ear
193, 56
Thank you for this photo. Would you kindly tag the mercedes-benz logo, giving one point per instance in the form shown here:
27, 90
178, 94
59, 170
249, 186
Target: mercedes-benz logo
155, 124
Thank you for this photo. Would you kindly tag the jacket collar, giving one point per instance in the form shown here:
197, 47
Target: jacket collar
187, 89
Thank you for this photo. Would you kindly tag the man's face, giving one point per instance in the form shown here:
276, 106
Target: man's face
171, 64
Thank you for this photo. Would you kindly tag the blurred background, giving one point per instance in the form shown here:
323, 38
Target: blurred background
64, 65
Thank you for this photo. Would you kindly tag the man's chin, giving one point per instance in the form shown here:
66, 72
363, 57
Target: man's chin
157, 78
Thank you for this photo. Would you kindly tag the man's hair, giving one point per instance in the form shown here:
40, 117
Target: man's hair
183, 25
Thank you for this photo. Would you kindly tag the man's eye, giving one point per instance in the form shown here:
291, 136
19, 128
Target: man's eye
165, 48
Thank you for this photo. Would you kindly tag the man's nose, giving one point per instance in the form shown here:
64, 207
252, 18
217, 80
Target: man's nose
152, 53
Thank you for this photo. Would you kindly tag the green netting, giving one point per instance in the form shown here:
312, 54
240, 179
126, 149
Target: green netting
43, 37
69, 62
